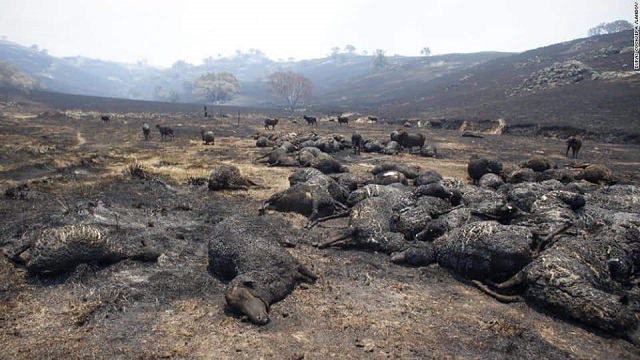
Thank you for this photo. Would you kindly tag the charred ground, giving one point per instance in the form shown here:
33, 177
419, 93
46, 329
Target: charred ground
361, 306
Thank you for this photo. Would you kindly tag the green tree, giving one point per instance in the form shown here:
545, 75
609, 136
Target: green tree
216, 87
425, 51
335, 53
380, 61
181, 66
292, 87
610, 28
350, 49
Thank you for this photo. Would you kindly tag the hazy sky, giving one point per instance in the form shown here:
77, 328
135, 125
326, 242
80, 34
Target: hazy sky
166, 31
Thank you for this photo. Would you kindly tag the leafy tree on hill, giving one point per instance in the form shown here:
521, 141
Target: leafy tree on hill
610, 28
290, 86
216, 87
335, 53
425, 51
350, 49
380, 61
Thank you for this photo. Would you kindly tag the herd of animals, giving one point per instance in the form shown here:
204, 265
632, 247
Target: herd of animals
401, 137
533, 232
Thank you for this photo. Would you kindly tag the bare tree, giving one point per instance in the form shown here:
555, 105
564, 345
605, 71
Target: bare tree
292, 87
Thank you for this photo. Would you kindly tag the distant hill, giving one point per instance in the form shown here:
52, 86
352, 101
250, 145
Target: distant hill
586, 83
58, 74
84, 76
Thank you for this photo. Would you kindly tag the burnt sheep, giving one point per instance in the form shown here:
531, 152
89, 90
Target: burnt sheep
259, 271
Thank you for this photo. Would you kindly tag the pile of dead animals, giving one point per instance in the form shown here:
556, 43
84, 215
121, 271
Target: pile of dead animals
564, 241
287, 146
533, 232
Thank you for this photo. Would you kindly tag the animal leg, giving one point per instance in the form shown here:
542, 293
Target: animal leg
549, 239
15, 256
347, 234
515, 280
499, 297
307, 275
329, 217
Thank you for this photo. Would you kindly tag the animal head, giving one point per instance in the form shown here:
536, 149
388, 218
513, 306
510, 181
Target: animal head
242, 300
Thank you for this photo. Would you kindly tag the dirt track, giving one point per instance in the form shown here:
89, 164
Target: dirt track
362, 307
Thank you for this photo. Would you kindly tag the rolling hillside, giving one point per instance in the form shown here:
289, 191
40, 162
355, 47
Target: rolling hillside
592, 85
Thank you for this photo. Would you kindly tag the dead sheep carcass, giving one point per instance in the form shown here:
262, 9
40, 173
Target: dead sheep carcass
307, 199
478, 166
280, 156
584, 277
410, 171
370, 228
314, 176
371, 220
260, 272
60, 249
228, 177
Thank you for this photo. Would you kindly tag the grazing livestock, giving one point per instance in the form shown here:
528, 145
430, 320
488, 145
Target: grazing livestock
207, 137
270, 122
165, 131
356, 142
409, 141
146, 130
343, 120
105, 118
311, 120
574, 143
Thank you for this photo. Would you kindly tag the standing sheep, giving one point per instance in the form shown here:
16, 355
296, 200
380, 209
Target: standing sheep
207, 137
356, 142
574, 143
270, 122
105, 118
146, 130
165, 131
409, 141
343, 120
311, 120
